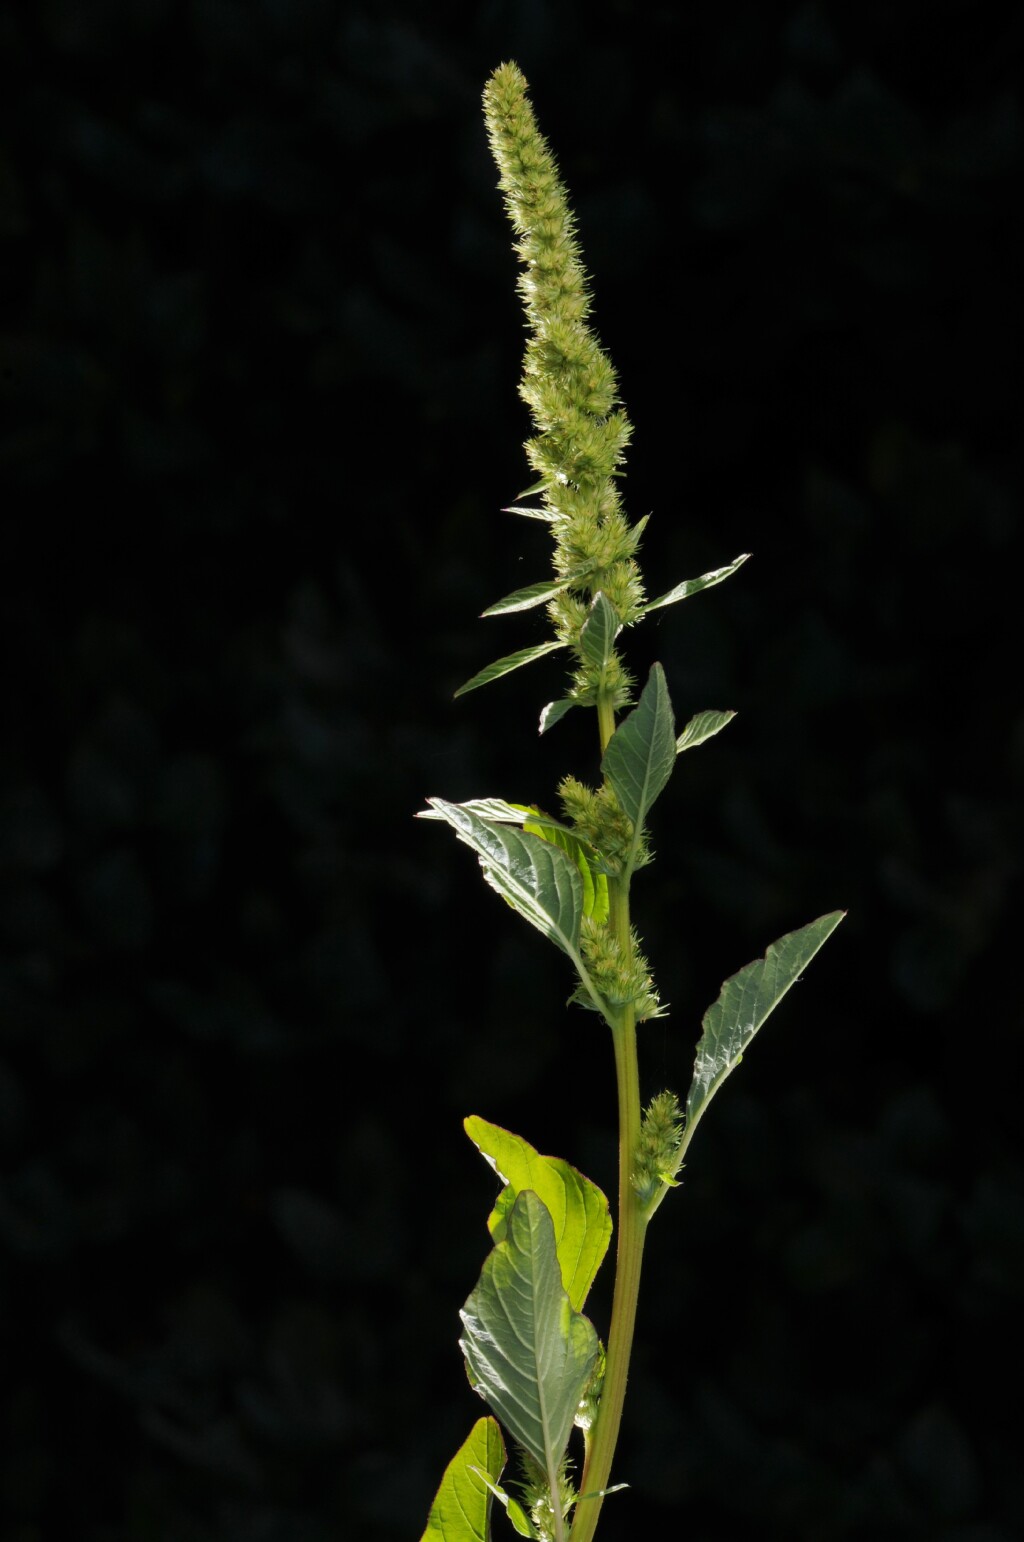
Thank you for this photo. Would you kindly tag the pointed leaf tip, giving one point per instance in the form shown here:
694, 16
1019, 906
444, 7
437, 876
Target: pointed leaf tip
462, 1504
641, 753
691, 586
505, 666
744, 1003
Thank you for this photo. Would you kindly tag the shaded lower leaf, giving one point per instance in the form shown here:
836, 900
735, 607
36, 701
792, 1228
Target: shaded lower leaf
579, 1210
462, 1505
528, 1353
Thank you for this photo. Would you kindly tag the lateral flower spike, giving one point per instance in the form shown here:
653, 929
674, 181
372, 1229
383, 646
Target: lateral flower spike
570, 386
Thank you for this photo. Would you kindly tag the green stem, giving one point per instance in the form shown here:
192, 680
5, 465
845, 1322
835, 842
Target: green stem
632, 1227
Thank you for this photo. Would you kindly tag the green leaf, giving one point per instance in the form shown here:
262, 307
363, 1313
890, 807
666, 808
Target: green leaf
555, 711
506, 665
596, 900
641, 753
535, 487
597, 637
488, 808
516, 1514
702, 726
579, 1211
537, 878
694, 585
549, 516
744, 1002
585, 858
462, 1505
526, 599
529, 1354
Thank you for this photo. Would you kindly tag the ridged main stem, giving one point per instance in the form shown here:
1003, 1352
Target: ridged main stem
632, 1226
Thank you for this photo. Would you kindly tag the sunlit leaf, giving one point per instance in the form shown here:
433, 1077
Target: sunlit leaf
579, 1211
462, 1505
530, 1355
506, 665
594, 880
526, 599
554, 712
537, 878
488, 808
588, 865
684, 590
702, 726
549, 516
535, 487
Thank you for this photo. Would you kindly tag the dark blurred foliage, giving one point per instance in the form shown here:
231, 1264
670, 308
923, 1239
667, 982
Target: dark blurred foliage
259, 358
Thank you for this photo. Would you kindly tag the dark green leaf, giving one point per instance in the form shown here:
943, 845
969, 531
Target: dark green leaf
641, 753
744, 1002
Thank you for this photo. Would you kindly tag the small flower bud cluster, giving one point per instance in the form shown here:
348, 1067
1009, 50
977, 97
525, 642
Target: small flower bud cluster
537, 1497
619, 977
590, 1402
657, 1153
597, 819
568, 381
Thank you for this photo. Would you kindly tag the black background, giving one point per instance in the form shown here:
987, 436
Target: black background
259, 365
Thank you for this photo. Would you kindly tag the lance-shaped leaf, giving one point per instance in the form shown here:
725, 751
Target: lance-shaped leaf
641, 753
526, 599
505, 666
549, 516
579, 1211
555, 711
528, 1353
694, 585
462, 1505
744, 1002
536, 878
599, 631
704, 725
